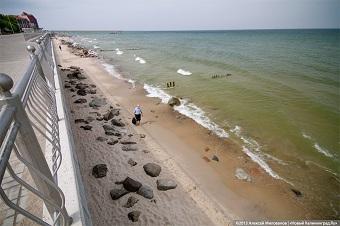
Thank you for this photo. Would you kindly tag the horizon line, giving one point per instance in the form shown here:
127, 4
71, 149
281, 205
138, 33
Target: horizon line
250, 29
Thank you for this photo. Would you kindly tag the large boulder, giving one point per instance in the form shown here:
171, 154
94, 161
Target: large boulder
118, 123
101, 139
115, 112
73, 74
81, 86
116, 193
134, 215
132, 162
131, 184
215, 158
145, 191
92, 91
87, 127
129, 148
127, 142
174, 101
82, 92
296, 192
152, 169
108, 115
166, 184
131, 202
113, 133
80, 120
97, 102
108, 128
241, 174
99, 171
76, 74
74, 67
112, 142
80, 101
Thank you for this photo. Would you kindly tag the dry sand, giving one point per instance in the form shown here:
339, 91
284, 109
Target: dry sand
208, 192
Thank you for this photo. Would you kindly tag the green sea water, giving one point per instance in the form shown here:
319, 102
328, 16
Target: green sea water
280, 103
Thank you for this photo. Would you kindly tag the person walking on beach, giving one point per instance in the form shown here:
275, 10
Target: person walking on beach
138, 114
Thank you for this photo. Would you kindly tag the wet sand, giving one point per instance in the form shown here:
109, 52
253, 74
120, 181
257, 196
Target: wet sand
186, 150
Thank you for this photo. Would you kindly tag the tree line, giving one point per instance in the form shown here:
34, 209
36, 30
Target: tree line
9, 24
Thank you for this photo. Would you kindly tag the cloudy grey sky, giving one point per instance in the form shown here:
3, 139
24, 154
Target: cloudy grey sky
178, 14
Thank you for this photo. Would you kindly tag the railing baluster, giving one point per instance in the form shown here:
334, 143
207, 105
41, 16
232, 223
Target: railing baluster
34, 93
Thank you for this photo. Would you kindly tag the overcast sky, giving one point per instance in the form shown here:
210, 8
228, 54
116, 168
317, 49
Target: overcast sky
178, 14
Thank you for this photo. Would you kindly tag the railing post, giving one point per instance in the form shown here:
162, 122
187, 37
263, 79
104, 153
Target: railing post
6, 84
28, 145
31, 50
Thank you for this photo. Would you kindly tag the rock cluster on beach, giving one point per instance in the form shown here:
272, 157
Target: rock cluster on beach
113, 132
78, 50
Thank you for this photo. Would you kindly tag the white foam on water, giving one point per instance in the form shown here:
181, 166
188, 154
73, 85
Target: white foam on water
183, 72
96, 47
90, 41
324, 168
92, 52
322, 150
188, 109
317, 147
198, 115
306, 136
275, 159
253, 149
256, 158
74, 44
140, 60
236, 130
133, 83
157, 92
111, 69
119, 52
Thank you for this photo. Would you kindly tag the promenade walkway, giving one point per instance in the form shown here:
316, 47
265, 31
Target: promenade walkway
14, 60
13, 55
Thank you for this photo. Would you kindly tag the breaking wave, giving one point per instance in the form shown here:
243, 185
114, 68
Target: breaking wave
317, 147
183, 72
188, 109
253, 150
119, 52
111, 69
140, 60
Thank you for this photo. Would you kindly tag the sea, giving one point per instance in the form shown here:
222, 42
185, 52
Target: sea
276, 93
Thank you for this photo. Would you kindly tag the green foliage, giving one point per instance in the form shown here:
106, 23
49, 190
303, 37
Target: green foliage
7, 23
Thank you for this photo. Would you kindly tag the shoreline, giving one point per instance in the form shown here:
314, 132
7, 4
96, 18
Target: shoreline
263, 197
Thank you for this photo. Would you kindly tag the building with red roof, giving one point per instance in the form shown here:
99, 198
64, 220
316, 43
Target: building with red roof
26, 20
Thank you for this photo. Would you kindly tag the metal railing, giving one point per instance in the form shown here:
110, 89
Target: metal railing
27, 112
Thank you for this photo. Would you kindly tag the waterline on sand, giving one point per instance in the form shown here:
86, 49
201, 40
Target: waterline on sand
198, 115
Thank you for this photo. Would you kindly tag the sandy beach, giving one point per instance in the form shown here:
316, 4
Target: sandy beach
207, 192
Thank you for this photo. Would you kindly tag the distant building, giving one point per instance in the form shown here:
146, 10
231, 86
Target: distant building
27, 21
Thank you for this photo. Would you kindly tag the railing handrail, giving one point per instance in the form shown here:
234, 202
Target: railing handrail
35, 93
